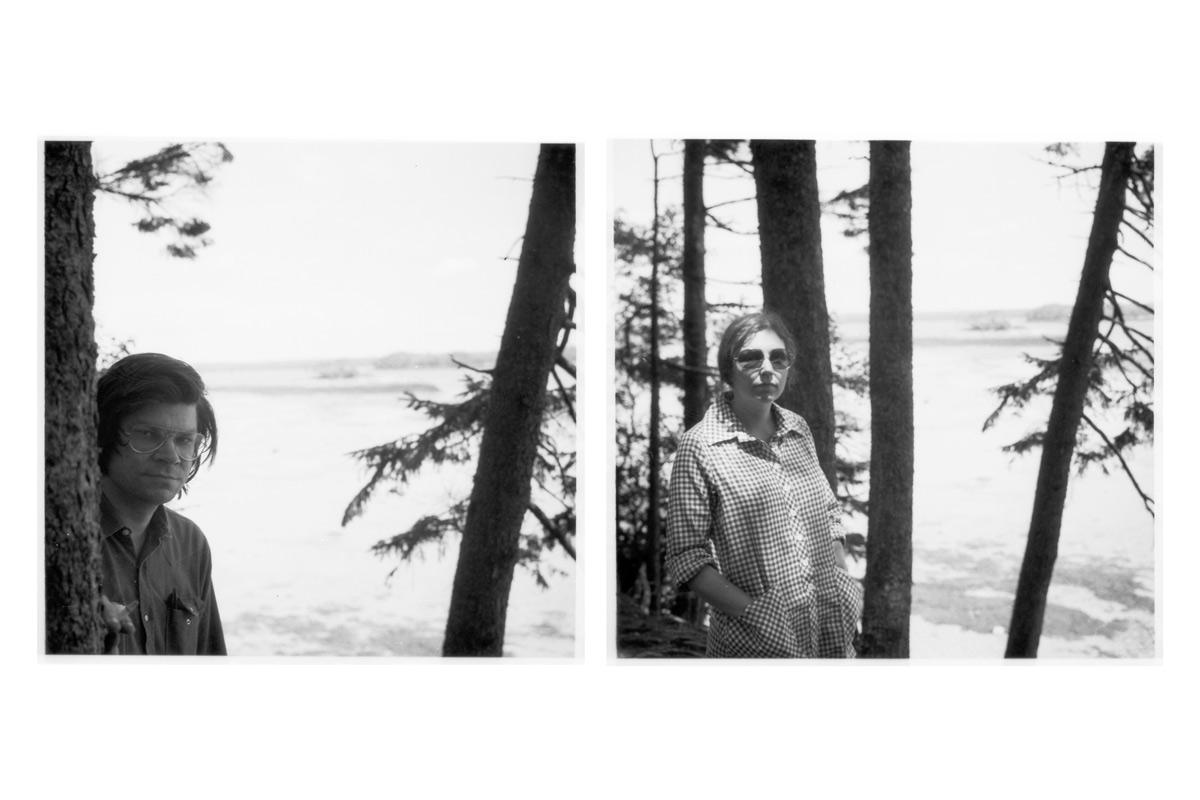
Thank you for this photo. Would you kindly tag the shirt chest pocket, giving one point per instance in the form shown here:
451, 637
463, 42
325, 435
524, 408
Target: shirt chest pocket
183, 623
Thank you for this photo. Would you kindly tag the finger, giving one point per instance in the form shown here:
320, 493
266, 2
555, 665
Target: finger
110, 613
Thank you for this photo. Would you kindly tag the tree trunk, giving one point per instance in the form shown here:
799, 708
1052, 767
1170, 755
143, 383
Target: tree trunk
72, 463
887, 602
654, 490
789, 231
500, 494
1041, 549
695, 330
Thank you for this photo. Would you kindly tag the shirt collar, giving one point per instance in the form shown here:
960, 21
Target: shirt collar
110, 524
721, 424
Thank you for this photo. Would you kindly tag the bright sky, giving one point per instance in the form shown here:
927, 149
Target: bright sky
322, 250
992, 227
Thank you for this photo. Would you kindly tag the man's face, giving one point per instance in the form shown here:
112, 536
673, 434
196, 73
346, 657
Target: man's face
151, 479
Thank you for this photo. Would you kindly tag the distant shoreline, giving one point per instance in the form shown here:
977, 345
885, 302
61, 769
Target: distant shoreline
391, 361
404, 360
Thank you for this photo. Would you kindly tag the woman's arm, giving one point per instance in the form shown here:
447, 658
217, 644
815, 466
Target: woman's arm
839, 555
715, 589
689, 516
761, 614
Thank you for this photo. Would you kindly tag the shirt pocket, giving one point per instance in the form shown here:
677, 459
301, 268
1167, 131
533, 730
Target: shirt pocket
183, 623
763, 631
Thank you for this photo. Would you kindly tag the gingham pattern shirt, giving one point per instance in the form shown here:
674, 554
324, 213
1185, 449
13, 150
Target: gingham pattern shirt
763, 515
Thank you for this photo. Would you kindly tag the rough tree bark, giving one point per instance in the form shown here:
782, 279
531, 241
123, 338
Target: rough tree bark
1041, 548
501, 490
654, 489
793, 278
695, 330
72, 466
887, 602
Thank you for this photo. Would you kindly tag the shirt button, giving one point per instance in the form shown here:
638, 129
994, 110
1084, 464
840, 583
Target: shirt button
146, 617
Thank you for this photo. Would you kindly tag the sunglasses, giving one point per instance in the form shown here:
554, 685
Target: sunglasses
751, 360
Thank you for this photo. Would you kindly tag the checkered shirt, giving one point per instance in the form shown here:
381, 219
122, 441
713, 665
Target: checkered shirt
763, 515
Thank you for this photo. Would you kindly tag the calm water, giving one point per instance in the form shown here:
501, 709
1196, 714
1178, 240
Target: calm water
290, 580
972, 506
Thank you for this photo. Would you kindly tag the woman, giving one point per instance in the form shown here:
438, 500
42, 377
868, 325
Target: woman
753, 527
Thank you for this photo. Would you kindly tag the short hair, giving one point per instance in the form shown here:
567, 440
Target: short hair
741, 329
142, 379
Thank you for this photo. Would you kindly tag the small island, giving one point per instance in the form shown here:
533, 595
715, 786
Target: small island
1054, 312
989, 321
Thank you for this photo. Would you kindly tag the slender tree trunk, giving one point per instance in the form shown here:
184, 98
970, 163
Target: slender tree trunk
72, 465
654, 532
887, 602
695, 329
1041, 549
500, 494
789, 230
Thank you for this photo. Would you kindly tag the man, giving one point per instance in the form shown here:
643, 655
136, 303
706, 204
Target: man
156, 427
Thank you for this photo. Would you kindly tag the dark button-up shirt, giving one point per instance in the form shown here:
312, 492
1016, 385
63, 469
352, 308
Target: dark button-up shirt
167, 587
762, 514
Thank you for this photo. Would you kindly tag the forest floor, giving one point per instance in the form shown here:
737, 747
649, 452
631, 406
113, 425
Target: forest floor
642, 635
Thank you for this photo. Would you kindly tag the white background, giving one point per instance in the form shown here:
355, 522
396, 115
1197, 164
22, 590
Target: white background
550, 71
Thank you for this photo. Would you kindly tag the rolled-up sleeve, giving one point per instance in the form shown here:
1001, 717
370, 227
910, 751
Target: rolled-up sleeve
836, 530
689, 515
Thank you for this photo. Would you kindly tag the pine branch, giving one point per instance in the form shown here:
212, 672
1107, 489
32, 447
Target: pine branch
1132, 257
1140, 213
730, 202
469, 368
729, 282
562, 390
552, 530
1137, 332
1116, 362
132, 196
1139, 234
1130, 333
565, 365
744, 166
719, 224
1147, 500
1121, 354
1069, 171
1140, 305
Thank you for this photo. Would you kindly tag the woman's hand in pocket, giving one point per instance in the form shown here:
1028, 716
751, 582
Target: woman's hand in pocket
768, 620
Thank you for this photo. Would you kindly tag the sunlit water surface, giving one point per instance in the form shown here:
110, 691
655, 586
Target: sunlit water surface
290, 580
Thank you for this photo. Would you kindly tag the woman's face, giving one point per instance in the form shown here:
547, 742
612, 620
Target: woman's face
755, 378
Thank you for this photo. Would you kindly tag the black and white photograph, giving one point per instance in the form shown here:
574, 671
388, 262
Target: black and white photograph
378, 336
885, 399
435, 400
